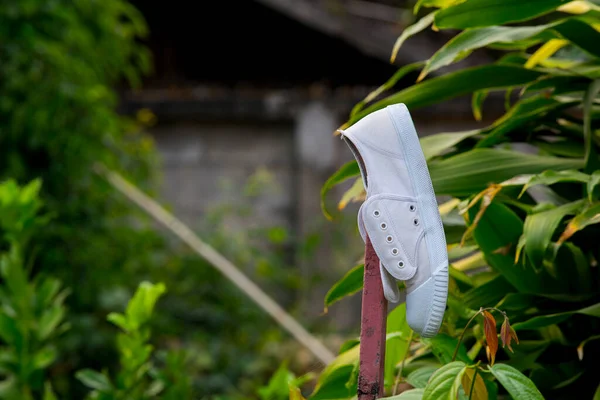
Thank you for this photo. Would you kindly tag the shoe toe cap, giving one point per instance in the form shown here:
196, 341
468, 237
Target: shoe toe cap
426, 304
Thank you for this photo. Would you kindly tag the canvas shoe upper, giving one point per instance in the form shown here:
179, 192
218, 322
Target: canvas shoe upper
400, 214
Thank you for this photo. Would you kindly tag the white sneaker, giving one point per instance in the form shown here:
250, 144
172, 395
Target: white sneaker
400, 214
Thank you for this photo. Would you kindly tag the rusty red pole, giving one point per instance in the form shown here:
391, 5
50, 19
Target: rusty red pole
372, 329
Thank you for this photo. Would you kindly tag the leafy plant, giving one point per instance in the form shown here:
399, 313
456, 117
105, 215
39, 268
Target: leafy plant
32, 313
137, 378
522, 220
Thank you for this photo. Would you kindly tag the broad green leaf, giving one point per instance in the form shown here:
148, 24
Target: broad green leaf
539, 229
46, 292
474, 390
346, 171
355, 193
471, 172
412, 30
444, 346
333, 379
591, 155
516, 301
141, 305
589, 216
547, 320
573, 268
592, 183
516, 384
434, 145
501, 228
413, 394
580, 34
487, 294
420, 377
348, 344
44, 357
523, 112
401, 73
445, 382
597, 394
477, 103
350, 284
551, 177
334, 387
94, 380
465, 42
9, 331
476, 13
279, 384
49, 321
455, 84
398, 333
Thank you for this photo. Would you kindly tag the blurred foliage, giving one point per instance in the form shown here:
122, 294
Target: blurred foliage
521, 219
61, 61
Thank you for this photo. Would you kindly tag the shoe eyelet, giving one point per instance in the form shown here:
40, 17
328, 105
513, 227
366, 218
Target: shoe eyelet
376, 213
389, 239
394, 252
383, 226
415, 221
412, 207
401, 264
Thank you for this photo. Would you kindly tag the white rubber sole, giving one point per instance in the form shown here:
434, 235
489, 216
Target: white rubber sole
429, 213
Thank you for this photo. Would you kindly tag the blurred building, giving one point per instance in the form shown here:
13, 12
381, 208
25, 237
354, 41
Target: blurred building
242, 85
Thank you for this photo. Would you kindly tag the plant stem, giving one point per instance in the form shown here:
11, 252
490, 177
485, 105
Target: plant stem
473, 383
399, 375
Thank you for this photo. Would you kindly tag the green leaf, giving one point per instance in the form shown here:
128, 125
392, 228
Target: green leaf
9, 331
465, 42
539, 229
401, 73
334, 387
49, 321
516, 384
501, 228
487, 294
141, 305
44, 357
597, 394
278, 385
350, 284
347, 171
413, 394
434, 4
552, 319
120, 321
355, 193
455, 84
591, 155
475, 13
443, 347
333, 379
477, 103
472, 171
396, 342
420, 377
48, 392
526, 110
348, 344
412, 30
592, 183
434, 145
94, 380
589, 216
551, 177
580, 34
445, 382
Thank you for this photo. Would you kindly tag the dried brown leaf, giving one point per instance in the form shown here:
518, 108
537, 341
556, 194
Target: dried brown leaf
491, 336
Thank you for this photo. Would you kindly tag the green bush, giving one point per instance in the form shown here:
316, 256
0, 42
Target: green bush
521, 222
